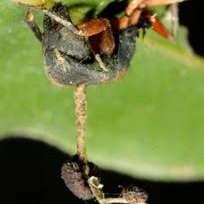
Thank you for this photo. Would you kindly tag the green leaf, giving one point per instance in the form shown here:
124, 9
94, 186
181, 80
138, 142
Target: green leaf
148, 124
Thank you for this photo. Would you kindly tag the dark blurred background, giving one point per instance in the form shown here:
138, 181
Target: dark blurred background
191, 16
30, 170
30, 174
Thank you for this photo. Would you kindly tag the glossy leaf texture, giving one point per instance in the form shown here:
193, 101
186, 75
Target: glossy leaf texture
148, 124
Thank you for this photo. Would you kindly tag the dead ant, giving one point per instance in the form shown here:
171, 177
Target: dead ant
71, 59
91, 52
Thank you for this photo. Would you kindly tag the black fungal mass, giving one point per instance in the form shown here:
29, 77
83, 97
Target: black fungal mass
69, 59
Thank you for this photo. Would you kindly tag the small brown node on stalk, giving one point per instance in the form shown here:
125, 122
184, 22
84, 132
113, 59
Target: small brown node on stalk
134, 195
75, 179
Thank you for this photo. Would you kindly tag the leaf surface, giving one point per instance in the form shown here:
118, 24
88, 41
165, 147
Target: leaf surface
148, 124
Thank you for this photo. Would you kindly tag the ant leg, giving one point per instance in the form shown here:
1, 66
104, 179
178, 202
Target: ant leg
90, 28
157, 25
33, 26
100, 35
132, 14
160, 2
103, 42
132, 5
60, 20
134, 18
174, 18
161, 29
126, 21
93, 27
98, 28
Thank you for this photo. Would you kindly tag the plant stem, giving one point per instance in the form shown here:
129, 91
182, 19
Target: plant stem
81, 115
